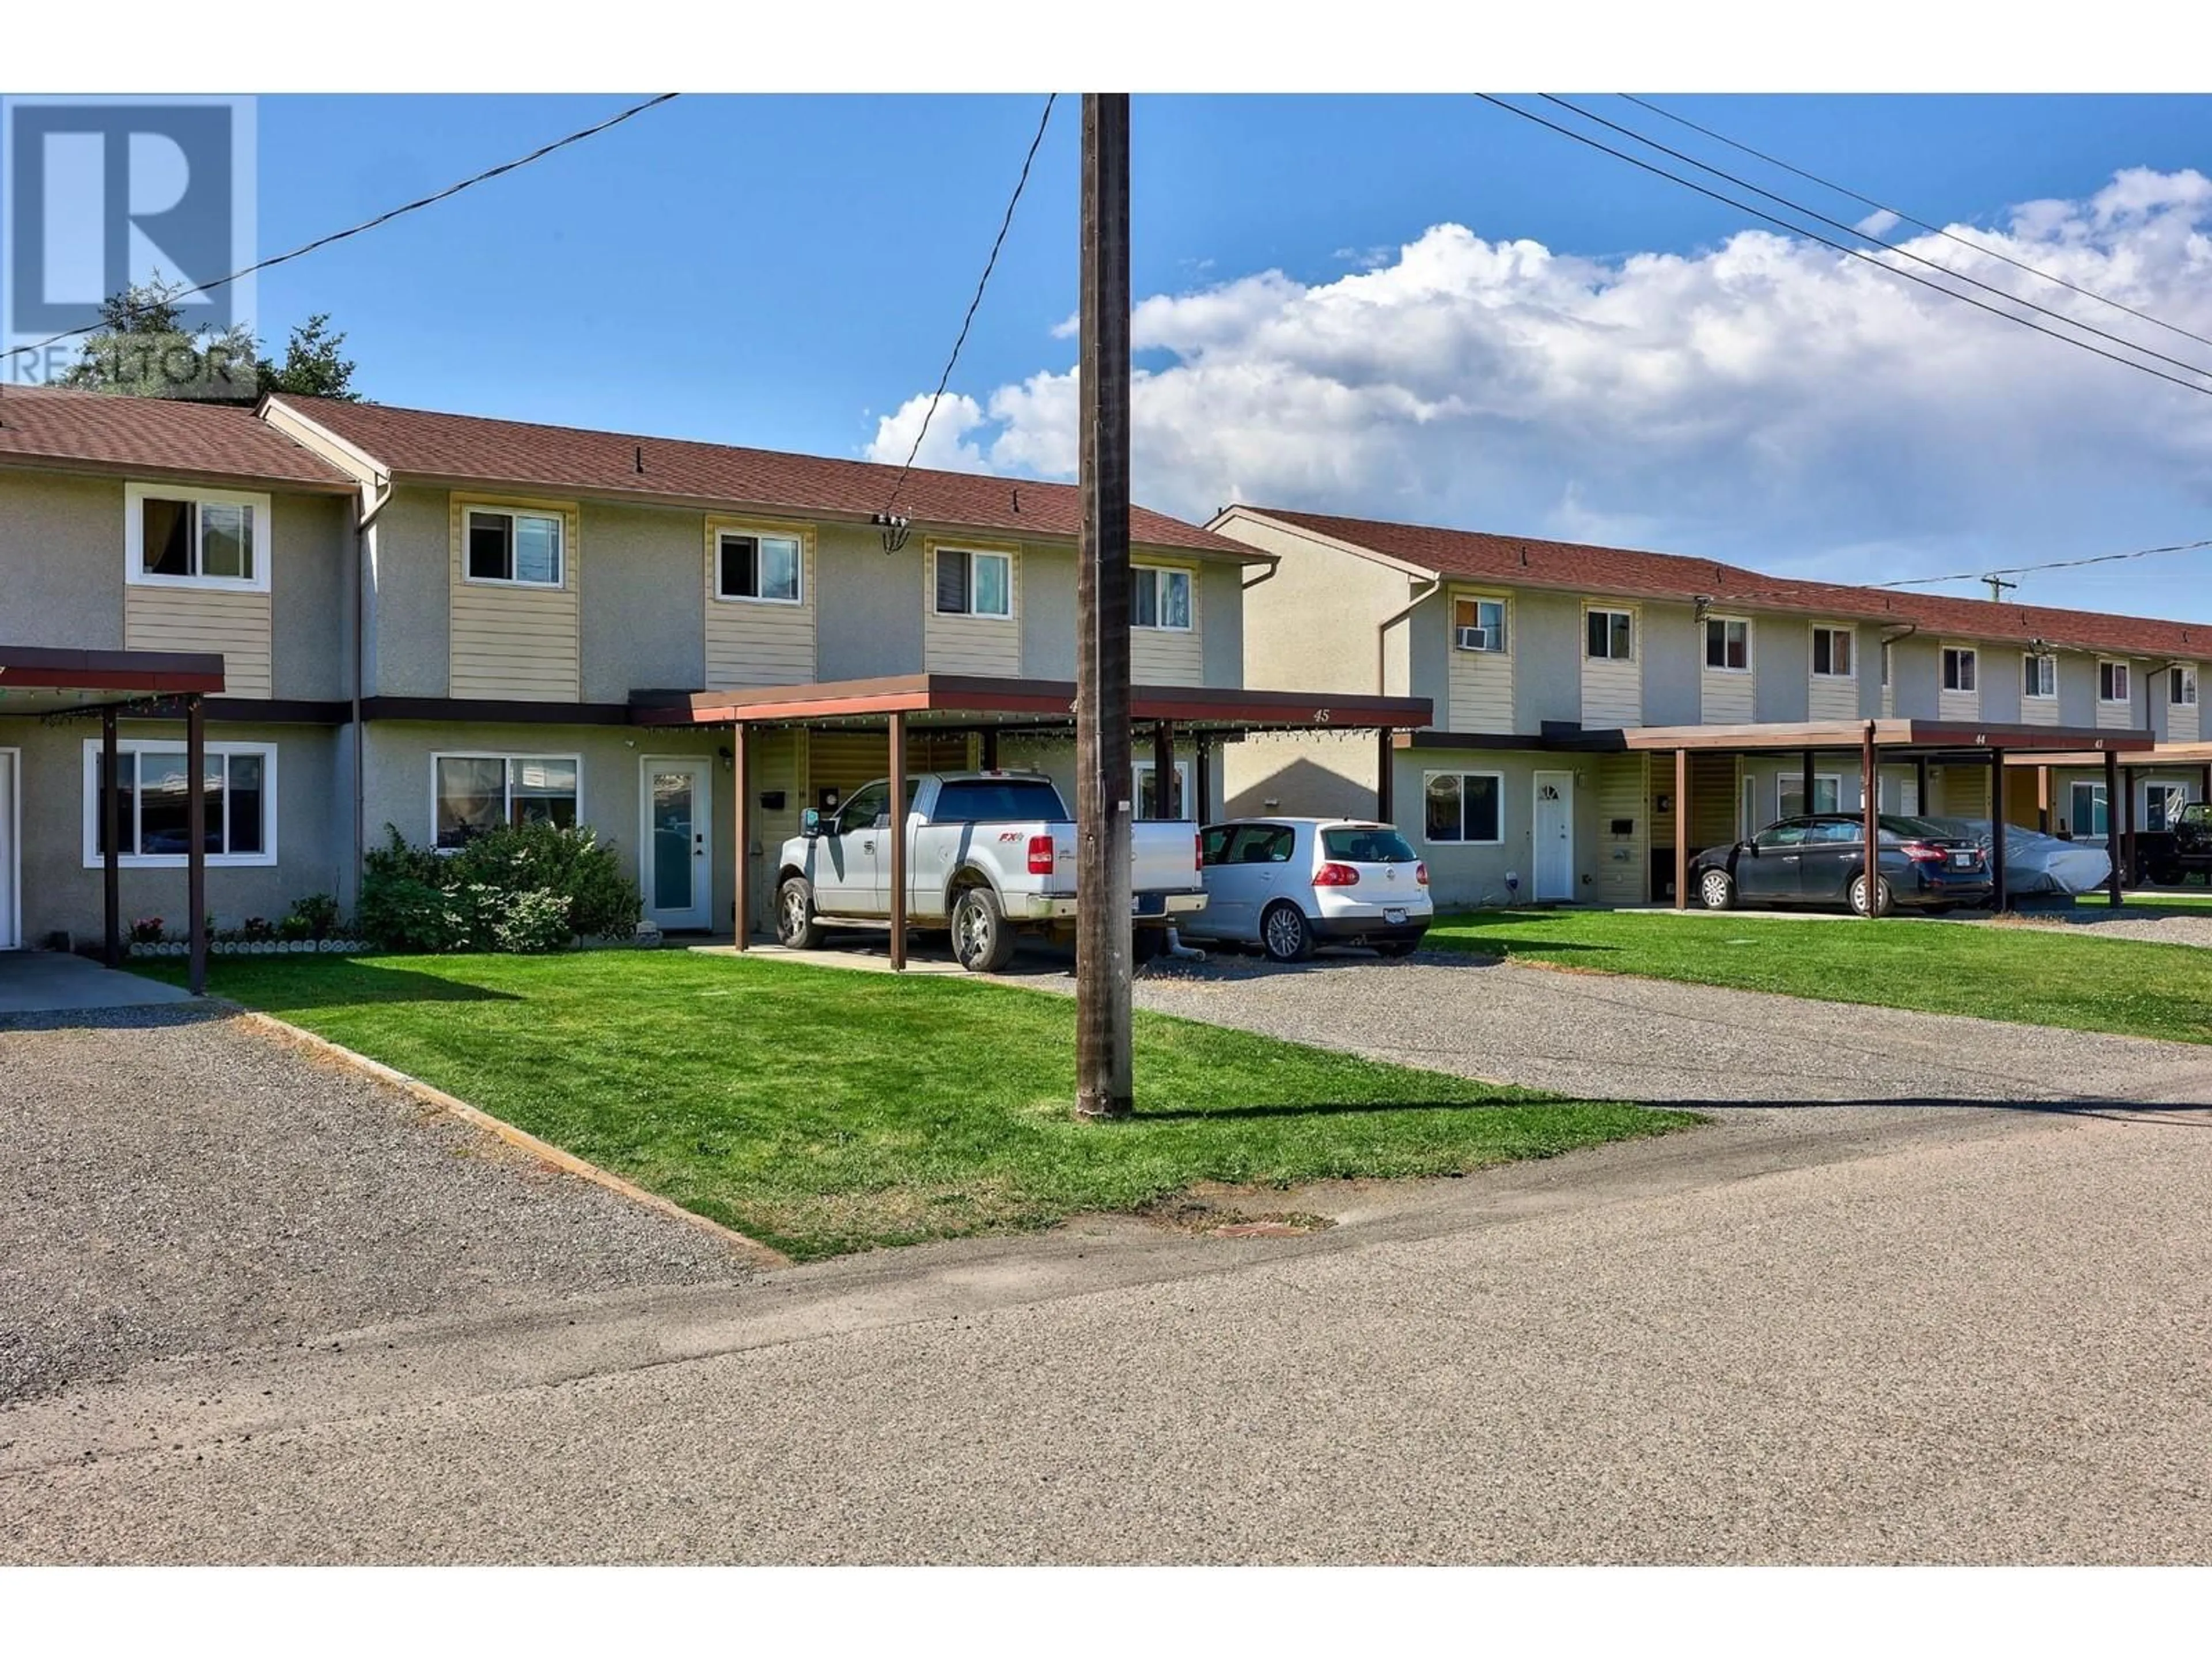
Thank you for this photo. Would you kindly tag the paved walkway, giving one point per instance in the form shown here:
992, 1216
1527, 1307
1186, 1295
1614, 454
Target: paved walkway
53, 982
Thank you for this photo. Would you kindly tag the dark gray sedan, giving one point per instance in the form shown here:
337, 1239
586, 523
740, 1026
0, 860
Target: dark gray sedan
1821, 858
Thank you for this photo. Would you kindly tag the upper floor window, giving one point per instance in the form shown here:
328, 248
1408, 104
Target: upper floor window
974, 584
473, 794
1831, 653
1478, 625
2181, 685
514, 545
1960, 663
2038, 675
2112, 682
239, 790
1727, 644
763, 568
188, 537
1609, 634
1159, 597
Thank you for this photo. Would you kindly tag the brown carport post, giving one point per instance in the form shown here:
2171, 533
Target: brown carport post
2043, 798
2112, 841
2127, 804
1162, 768
990, 747
1807, 796
1920, 785
1386, 781
1997, 828
195, 840
1681, 828
741, 898
1870, 813
1202, 778
898, 841
110, 858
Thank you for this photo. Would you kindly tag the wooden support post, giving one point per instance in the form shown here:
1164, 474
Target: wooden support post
195, 840
990, 746
2127, 805
2043, 799
1807, 796
1681, 828
898, 835
2000, 894
1386, 782
1202, 778
1104, 1088
741, 814
1870, 814
1164, 769
2112, 822
1920, 785
111, 859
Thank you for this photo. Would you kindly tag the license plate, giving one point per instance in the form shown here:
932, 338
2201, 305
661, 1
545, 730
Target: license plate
1149, 904
1962, 861
1395, 917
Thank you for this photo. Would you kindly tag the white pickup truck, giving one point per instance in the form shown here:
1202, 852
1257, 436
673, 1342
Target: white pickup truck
989, 854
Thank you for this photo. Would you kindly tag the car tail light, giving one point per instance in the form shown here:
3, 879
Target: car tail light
1336, 875
1921, 853
1040, 855
1421, 873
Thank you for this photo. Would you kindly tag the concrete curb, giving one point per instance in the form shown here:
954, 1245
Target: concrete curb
279, 1032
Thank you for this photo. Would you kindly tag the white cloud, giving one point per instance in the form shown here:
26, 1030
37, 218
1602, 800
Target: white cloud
944, 446
1880, 223
1766, 399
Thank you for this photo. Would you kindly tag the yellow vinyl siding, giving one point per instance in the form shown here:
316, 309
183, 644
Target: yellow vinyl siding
2118, 716
1613, 691
1833, 697
1169, 656
2036, 711
1623, 860
1960, 705
750, 642
972, 645
515, 641
1478, 684
2182, 722
178, 618
1725, 699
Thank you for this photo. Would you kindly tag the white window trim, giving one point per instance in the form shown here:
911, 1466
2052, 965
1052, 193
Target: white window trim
1453, 772
2128, 676
2073, 789
1829, 674
134, 537
972, 554
1505, 603
2052, 695
1704, 644
1140, 770
263, 860
1965, 653
757, 537
468, 511
509, 756
1635, 644
1154, 571
2170, 786
2180, 675
1835, 780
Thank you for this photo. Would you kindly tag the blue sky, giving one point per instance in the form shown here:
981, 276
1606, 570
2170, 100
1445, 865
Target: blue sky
785, 272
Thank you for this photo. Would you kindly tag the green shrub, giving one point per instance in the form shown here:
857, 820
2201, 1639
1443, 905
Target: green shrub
316, 916
532, 922
531, 887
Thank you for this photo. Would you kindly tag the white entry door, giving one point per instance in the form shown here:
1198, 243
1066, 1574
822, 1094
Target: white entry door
11, 873
1555, 835
676, 843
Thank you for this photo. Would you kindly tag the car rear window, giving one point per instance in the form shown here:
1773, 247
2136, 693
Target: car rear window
1368, 844
998, 800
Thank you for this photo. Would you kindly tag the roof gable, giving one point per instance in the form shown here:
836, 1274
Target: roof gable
106, 432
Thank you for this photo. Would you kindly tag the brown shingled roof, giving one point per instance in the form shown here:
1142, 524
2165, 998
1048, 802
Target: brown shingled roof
520, 452
1530, 561
154, 436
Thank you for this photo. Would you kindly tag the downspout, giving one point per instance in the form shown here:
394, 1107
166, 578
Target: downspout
363, 525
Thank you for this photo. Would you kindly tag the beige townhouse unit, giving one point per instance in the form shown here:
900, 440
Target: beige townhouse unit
1596, 707
375, 620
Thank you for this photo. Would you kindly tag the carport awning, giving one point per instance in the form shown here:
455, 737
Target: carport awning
1926, 736
39, 679
2158, 754
986, 700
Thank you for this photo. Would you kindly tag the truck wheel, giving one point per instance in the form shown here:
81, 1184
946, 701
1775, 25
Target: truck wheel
795, 927
981, 940
1147, 944
1285, 934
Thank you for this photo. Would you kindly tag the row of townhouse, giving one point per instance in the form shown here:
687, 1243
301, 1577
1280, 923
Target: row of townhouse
1533, 650
431, 623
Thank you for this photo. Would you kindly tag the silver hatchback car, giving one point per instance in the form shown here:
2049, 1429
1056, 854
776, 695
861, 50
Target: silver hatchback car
1287, 885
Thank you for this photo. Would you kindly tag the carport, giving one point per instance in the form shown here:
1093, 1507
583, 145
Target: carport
897, 705
2119, 785
59, 685
1921, 742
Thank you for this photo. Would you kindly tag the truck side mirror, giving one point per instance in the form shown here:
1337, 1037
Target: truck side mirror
810, 821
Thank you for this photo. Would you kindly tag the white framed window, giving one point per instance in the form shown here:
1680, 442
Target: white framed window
1463, 807
182, 536
515, 547
1609, 636
2038, 675
761, 569
1961, 667
1789, 794
1159, 597
2111, 680
973, 583
2086, 808
1179, 793
2181, 685
238, 784
2162, 803
1833, 658
473, 794
1728, 645
1478, 625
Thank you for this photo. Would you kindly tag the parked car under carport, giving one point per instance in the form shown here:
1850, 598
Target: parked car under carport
1820, 858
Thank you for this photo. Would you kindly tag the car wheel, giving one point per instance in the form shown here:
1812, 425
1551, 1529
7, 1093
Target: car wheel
1284, 934
1716, 890
795, 926
1883, 899
981, 940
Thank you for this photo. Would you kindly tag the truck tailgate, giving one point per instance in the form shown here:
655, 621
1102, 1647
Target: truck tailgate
1166, 856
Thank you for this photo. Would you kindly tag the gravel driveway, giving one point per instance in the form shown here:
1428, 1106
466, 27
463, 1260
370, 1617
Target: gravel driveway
2181, 925
176, 1183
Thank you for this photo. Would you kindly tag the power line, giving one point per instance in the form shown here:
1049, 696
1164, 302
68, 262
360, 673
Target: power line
2053, 564
1856, 253
1921, 224
1867, 235
982, 283
385, 218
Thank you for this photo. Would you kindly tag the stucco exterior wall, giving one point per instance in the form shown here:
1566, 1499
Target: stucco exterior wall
643, 600
410, 582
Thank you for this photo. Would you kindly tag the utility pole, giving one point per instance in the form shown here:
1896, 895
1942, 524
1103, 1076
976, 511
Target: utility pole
1102, 875
1996, 585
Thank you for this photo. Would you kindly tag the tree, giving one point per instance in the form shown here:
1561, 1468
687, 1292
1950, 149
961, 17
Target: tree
144, 349
312, 367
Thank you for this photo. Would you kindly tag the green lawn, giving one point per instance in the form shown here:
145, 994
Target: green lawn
1996, 970
822, 1111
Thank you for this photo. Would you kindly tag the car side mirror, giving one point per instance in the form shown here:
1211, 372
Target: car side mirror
1750, 847
810, 821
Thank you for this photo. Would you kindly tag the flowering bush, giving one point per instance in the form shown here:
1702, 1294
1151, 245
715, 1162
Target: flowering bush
147, 930
530, 888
